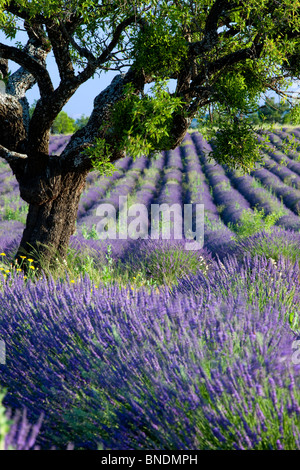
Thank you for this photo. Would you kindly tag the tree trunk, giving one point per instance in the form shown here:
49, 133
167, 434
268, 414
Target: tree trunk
50, 224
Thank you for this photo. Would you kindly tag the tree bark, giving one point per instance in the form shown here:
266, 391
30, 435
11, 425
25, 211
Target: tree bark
50, 224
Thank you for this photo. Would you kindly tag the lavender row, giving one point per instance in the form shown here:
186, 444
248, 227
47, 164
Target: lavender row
198, 189
169, 193
217, 236
171, 190
284, 160
125, 185
277, 139
149, 182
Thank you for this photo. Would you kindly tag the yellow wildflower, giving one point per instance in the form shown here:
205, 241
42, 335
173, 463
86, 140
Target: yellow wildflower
31, 260
32, 267
2, 254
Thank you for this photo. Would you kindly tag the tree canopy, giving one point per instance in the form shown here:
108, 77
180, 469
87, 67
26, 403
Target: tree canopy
219, 53
63, 123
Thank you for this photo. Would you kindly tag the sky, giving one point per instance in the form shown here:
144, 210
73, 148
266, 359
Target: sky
81, 102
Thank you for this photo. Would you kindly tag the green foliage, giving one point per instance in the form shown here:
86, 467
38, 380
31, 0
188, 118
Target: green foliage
32, 108
108, 269
63, 123
271, 247
273, 112
292, 63
19, 214
293, 117
239, 89
160, 268
89, 234
168, 265
165, 266
145, 121
236, 95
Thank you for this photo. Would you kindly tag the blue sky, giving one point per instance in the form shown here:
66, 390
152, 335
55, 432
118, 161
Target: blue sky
82, 101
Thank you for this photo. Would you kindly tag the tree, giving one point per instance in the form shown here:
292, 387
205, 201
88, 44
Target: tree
220, 52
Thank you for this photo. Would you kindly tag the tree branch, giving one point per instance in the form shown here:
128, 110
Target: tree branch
83, 51
225, 61
234, 57
3, 68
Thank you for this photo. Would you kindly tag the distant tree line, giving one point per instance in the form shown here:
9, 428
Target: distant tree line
64, 124
270, 112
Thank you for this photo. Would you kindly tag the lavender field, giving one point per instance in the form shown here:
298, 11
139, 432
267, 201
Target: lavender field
141, 344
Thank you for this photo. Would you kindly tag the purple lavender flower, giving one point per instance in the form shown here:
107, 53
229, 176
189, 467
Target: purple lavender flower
22, 435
